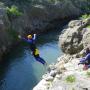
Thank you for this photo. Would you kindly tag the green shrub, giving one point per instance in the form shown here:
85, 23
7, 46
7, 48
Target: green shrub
88, 26
88, 74
85, 16
70, 78
13, 12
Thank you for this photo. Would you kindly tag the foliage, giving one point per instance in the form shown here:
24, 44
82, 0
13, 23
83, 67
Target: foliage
70, 78
88, 74
85, 16
88, 26
13, 12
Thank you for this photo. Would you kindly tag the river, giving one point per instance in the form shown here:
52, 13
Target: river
20, 71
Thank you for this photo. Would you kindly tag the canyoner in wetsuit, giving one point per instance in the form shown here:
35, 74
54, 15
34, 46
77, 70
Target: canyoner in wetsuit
86, 60
35, 52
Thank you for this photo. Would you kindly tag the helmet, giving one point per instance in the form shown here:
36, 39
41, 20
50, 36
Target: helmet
29, 36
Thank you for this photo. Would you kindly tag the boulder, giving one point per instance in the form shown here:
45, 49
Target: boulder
49, 78
75, 37
53, 73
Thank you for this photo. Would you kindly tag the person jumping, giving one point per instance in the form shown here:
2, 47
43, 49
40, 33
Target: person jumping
35, 52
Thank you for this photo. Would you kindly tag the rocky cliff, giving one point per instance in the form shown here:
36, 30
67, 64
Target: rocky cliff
75, 37
5, 38
39, 14
66, 74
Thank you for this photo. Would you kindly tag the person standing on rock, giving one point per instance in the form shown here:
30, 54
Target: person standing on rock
34, 51
86, 60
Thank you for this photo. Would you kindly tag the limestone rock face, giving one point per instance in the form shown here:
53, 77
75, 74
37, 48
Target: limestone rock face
81, 78
70, 41
75, 37
86, 38
5, 38
39, 14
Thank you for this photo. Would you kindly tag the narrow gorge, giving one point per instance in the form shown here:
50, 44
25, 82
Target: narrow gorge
63, 33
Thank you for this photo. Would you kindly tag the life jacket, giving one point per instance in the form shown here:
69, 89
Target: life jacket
36, 52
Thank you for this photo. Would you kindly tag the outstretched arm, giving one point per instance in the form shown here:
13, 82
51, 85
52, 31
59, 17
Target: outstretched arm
34, 37
19, 36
